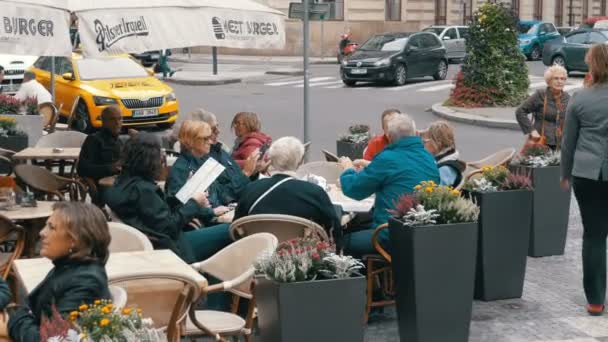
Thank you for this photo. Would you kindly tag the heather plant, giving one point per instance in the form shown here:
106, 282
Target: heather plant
498, 178
9, 104
357, 134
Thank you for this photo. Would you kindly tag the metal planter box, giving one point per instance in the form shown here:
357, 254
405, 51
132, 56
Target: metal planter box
434, 272
12, 142
32, 125
502, 247
353, 151
320, 310
550, 212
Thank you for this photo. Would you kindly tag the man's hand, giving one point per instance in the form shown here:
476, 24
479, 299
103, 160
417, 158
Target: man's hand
201, 199
565, 184
534, 136
360, 164
345, 163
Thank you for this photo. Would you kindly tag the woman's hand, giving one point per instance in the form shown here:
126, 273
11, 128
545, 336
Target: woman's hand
345, 163
221, 210
534, 136
565, 184
360, 164
250, 163
201, 199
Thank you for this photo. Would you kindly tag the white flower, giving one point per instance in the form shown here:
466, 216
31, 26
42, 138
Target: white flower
483, 185
419, 216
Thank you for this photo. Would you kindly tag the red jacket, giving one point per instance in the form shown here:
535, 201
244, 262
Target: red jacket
249, 143
375, 146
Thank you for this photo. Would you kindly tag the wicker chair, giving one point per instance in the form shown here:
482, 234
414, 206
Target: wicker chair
379, 274
48, 185
119, 296
127, 239
284, 227
13, 235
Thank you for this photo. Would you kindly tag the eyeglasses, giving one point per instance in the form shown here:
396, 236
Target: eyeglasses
560, 78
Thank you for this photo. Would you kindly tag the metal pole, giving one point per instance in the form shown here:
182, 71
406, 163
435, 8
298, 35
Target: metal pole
214, 55
306, 44
53, 79
189, 53
322, 39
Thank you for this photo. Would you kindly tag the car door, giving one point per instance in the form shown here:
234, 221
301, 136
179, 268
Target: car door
414, 56
450, 41
463, 35
575, 49
64, 89
434, 51
546, 32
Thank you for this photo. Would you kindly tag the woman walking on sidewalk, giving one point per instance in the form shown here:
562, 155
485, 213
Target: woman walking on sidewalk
547, 107
584, 162
163, 63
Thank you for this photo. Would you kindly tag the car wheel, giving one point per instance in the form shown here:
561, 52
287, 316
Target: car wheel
400, 75
82, 120
536, 53
165, 125
559, 60
349, 83
442, 71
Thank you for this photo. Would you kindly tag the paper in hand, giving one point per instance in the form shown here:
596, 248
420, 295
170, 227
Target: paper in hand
201, 180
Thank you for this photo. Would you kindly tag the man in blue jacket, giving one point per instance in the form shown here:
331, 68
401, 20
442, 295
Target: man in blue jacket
393, 172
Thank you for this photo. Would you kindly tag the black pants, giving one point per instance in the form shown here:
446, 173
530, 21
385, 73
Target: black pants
592, 197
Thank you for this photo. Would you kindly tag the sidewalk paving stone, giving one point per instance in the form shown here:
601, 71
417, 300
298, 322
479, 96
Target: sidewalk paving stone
496, 117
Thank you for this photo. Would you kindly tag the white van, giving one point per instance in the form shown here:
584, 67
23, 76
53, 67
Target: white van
453, 38
14, 68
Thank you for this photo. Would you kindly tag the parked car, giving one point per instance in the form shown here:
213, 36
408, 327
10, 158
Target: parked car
14, 67
564, 30
395, 57
454, 39
570, 51
590, 22
114, 80
148, 58
533, 35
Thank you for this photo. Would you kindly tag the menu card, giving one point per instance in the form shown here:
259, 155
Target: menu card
201, 180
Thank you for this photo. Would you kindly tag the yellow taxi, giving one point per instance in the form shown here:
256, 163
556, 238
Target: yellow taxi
85, 86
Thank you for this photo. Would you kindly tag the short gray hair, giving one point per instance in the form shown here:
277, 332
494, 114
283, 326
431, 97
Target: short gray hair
286, 154
29, 75
400, 126
554, 70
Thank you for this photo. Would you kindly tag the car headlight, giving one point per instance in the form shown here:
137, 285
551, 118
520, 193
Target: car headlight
104, 101
382, 62
524, 41
344, 62
170, 97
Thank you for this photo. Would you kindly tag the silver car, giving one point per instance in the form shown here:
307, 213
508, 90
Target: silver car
453, 38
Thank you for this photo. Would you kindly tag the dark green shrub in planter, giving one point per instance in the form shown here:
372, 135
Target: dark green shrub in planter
308, 293
354, 143
505, 201
434, 239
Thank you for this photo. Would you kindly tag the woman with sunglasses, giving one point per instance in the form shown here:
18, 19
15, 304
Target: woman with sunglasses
547, 107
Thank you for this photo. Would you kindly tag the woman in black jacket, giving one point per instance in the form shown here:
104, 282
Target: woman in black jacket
76, 239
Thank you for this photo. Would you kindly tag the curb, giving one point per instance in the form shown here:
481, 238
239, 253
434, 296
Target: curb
285, 72
204, 82
478, 120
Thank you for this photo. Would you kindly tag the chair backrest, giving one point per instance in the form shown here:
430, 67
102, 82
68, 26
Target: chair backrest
240, 255
9, 231
501, 157
331, 171
62, 139
330, 157
72, 112
284, 227
127, 239
119, 296
39, 178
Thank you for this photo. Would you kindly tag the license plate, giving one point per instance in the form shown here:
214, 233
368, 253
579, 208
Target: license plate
358, 71
140, 113
155, 56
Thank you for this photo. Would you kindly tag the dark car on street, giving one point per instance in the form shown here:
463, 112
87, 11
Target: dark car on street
148, 58
395, 57
570, 51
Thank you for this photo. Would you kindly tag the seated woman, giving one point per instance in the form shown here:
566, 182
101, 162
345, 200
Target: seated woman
439, 141
195, 140
283, 193
249, 139
76, 238
140, 203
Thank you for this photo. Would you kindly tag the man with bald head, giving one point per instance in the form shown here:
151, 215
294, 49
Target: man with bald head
100, 153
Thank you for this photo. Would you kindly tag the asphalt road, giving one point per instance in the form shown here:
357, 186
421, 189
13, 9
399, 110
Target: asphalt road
333, 107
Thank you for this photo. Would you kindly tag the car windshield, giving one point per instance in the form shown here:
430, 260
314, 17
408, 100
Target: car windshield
435, 30
526, 28
384, 43
109, 68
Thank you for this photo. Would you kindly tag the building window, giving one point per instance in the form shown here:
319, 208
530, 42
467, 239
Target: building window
538, 10
515, 7
392, 10
336, 9
559, 12
441, 10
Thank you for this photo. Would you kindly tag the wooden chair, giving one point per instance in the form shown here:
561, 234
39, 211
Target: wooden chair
10, 234
6, 161
236, 280
379, 274
330, 157
127, 239
284, 227
70, 119
331, 171
48, 185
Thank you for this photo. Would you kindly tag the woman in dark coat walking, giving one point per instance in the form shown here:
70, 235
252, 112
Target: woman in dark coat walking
76, 238
548, 108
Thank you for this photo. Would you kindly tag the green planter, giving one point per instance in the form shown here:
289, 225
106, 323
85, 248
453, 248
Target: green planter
351, 150
14, 142
434, 272
320, 310
502, 247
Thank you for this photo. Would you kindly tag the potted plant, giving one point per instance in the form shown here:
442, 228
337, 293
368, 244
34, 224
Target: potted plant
10, 137
550, 204
434, 237
31, 125
505, 200
353, 144
309, 293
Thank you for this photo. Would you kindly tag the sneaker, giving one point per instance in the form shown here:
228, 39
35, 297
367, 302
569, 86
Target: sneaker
595, 309
171, 73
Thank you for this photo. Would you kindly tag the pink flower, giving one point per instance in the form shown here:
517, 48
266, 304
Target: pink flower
316, 256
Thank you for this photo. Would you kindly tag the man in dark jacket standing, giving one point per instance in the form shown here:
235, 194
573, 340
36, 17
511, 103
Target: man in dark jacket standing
100, 153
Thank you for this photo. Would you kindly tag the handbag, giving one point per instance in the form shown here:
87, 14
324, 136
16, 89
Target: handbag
542, 140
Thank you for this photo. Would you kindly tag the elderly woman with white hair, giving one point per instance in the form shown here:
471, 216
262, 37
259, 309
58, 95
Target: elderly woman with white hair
548, 108
283, 193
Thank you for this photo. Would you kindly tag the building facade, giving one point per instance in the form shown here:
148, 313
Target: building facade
366, 17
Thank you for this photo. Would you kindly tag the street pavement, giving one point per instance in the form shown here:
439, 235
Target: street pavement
552, 306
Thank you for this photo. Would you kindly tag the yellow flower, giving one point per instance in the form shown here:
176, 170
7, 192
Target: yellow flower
97, 302
429, 189
83, 307
456, 192
104, 322
418, 187
74, 315
106, 310
127, 311
431, 183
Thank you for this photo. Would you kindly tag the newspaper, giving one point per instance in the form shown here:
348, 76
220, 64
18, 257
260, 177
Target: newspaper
201, 180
